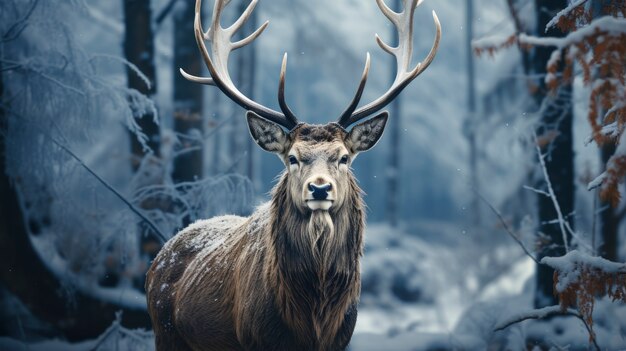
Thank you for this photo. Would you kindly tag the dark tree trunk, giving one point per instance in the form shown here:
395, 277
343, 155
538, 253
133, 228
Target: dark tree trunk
26, 276
609, 218
188, 122
216, 120
556, 120
241, 146
139, 50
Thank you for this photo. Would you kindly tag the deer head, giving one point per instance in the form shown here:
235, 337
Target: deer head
317, 158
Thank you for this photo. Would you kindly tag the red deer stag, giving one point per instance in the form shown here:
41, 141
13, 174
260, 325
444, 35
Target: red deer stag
287, 277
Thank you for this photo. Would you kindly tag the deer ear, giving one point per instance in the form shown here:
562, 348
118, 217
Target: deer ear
365, 135
268, 135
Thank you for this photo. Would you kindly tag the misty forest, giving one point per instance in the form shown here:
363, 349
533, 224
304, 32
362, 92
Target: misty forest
493, 202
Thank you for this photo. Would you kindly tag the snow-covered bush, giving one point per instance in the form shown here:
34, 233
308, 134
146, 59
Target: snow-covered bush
70, 120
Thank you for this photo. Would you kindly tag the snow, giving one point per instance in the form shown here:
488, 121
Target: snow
116, 337
123, 296
564, 12
415, 342
611, 25
569, 266
555, 57
532, 314
495, 40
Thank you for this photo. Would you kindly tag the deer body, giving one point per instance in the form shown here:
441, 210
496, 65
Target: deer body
287, 277
283, 278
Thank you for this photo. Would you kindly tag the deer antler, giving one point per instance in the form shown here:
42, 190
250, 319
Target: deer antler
221, 46
404, 24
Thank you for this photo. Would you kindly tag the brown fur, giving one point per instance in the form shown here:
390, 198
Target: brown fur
282, 279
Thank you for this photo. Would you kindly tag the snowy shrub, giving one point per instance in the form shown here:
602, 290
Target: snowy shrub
579, 279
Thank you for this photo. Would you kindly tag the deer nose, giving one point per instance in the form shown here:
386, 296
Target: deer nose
320, 192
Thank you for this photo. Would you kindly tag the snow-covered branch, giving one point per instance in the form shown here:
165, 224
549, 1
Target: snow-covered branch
575, 259
508, 229
597, 181
543, 313
608, 24
566, 11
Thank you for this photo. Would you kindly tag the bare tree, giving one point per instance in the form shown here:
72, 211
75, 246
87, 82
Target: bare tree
555, 138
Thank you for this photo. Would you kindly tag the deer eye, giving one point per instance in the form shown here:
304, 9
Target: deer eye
293, 160
344, 160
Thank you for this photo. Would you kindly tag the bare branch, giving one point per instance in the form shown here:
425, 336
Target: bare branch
538, 191
507, 228
555, 202
18, 27
544, 313
132, 207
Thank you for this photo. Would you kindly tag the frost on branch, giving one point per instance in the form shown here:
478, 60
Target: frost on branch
580, 278
596, 46
58, 93
491, 45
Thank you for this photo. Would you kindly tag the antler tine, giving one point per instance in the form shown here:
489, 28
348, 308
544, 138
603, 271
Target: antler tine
250, 38
345, 116
281, 93
217, 61
421, 67
243, 17
404, 24
393, 16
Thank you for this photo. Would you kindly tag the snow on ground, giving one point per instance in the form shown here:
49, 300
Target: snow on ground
404, 286
116, 337
418, 282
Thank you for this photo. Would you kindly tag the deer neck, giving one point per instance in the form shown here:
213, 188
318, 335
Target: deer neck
317, 241
316, 262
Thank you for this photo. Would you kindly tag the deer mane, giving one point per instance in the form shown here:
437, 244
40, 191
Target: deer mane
313, 260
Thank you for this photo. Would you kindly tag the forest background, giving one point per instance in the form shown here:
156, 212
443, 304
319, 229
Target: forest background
493, 198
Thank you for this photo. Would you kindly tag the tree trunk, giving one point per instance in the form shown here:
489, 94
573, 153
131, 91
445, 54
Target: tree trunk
557, 121
216, 136
241, 146
251, 76
471, 121
188, 121
609, 217
139, 50
393, 168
